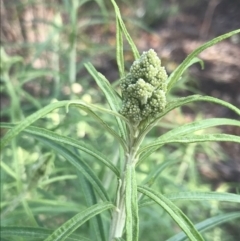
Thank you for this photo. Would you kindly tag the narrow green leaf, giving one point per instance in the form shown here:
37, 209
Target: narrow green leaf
57, 179
119, 49
190, 128
132, 219
80, 165
208, 224
198, 196
34, 233
36, 131
8, 170
42, 112
199, 125
110, 94
105, 86
151, 177
29, 120
75, 222
189, 99
177, 73
124, 30
96, 223
106, 127
178, 216
194, 61
191, 139
33, 74
180, 102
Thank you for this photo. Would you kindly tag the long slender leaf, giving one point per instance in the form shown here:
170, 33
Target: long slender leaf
190, 128
29, 120
105, 86
132, 220
208, 224
80, 165
194, 61
96, 223
110, 94
106, 127
39, 114
183, 101
189, 99
198, 196
119, 49
177, 73
151, 177
36, 131
72, 224
218, 196
124, 30
178, 216
191, 139
33, 74
34, 233
199, 125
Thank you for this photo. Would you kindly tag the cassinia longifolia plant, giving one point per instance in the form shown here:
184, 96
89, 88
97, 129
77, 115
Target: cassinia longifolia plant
142, 104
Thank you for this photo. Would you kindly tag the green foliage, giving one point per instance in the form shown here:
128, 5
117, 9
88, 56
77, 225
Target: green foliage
90, 179
179, 217
67, 228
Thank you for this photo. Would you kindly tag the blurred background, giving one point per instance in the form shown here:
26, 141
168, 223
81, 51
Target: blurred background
44, 45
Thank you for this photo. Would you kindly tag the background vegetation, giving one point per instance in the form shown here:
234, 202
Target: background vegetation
47, 44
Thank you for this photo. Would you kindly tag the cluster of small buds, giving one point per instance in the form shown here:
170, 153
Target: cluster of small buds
144, 88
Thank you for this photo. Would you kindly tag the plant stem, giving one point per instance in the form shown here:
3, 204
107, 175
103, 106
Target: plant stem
119, 214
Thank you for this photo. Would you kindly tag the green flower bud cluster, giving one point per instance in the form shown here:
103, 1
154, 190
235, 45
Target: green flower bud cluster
144, 88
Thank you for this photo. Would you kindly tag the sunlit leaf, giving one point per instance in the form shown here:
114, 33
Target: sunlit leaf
191, 139
124, 30
35, 233
82, 166
208, 224
177, 73
119, 49
96, 223
151, 177
178, 216
198, 196
75, 222
42, 112
110, 94
69, 141
189, 128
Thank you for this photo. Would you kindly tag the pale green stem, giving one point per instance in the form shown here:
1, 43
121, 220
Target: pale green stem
119, 214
